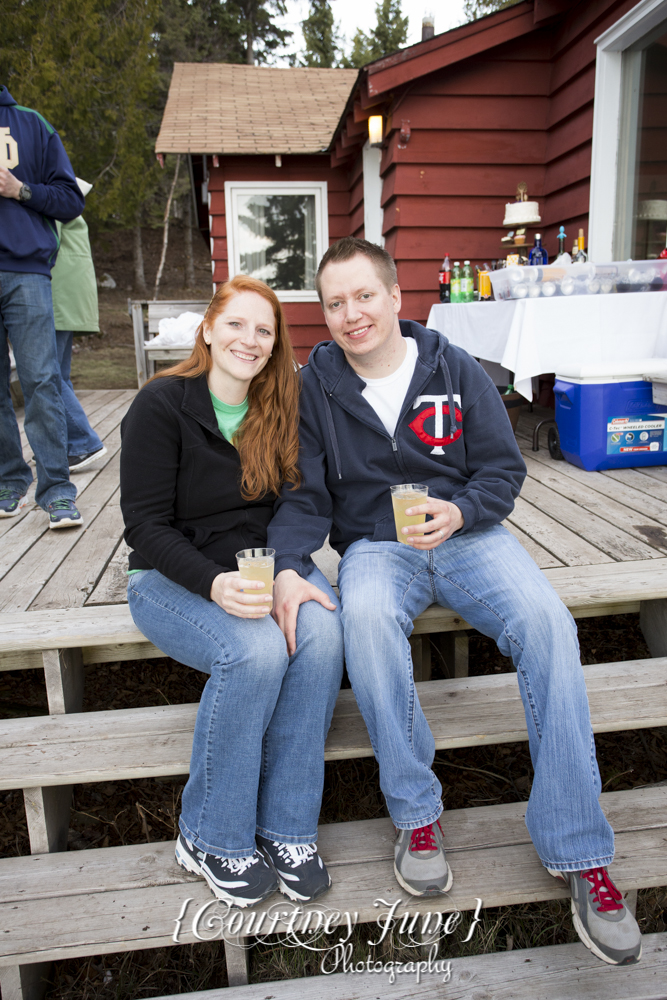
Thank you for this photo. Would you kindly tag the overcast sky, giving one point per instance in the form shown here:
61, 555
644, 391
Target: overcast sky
353, 14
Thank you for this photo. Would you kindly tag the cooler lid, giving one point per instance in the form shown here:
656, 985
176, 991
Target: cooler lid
613, 371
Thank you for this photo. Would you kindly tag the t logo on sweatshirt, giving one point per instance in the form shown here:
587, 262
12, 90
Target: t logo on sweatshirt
9, 150
438, 411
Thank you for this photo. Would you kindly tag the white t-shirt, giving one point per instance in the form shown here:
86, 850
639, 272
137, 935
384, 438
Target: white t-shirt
386, 395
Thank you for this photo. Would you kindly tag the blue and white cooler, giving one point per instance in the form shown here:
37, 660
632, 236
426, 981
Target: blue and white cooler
606, 416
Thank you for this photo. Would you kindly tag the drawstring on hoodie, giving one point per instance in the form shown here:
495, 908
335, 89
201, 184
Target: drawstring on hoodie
450, 396
332, 431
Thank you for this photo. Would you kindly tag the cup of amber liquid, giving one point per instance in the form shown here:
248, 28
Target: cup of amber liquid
257, 564
402, 498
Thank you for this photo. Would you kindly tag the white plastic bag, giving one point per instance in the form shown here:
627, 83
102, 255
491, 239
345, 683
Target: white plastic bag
177, 331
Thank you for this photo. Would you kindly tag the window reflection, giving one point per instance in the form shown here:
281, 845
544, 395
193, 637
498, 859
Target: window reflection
650, 207
277, 239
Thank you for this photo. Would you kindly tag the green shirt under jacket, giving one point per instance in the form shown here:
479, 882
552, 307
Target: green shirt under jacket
73, 280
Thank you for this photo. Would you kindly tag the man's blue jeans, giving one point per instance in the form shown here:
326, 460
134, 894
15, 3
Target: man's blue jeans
489, 579
258, 752
81, 438
26, 319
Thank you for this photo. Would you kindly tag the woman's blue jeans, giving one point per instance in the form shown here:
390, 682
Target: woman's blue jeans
489, 579
258, 752
81, 438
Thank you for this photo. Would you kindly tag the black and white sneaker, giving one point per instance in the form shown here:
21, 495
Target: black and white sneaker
77, 462
238, 881
301, 872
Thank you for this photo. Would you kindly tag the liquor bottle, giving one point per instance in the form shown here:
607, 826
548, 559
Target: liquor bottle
562, 236
538, 254
467, 283
456, 282
580, 255
445, 280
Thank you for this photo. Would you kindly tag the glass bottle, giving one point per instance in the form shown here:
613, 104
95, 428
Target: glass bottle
580, 254
562, 236
445, 280
538, 254
456, 282
467, 283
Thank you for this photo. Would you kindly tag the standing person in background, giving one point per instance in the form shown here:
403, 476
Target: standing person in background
37, 186
75, 310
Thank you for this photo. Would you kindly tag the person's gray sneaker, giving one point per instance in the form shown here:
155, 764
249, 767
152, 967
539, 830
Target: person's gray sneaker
601, 918
420, 864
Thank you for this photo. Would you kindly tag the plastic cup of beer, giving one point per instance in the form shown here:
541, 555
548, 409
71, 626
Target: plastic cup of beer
403, 497
257, 564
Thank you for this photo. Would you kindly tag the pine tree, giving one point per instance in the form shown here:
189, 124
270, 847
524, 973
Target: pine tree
389, 34
321, 36
474, 9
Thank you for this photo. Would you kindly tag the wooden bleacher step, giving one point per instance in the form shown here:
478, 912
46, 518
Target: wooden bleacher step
127, 898
107, 633
558, 972
465, 711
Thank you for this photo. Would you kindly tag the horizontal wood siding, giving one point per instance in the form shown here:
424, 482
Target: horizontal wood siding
521, 111
305, 319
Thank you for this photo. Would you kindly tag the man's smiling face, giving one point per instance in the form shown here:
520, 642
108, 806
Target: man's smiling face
361, 312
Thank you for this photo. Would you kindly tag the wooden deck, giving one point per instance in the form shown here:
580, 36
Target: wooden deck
565, 517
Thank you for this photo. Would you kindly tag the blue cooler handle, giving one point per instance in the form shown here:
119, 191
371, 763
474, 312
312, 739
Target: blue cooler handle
563, 398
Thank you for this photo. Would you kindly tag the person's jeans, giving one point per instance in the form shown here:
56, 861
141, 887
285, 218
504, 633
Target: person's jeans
489, 579
26, 319
81, 438
258, 752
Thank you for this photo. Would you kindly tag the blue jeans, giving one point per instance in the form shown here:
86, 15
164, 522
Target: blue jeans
26, 319
81, 438
489, 579
258, 752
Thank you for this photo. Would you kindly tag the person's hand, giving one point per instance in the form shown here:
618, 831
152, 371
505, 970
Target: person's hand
289, 591
227, 592
9, 185
447, 518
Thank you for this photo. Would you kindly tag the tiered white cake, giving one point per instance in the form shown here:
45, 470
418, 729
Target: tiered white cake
521, 213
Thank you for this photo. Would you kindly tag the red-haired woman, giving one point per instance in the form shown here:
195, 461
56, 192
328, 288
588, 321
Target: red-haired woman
207, 445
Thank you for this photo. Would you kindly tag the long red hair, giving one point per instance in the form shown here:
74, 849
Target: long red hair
268, 439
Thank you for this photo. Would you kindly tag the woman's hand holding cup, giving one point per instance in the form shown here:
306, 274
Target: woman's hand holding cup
230, 592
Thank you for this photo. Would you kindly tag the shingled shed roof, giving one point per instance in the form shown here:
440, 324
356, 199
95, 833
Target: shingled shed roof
227, 108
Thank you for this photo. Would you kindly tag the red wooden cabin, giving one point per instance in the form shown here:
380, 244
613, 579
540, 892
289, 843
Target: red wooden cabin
466, 115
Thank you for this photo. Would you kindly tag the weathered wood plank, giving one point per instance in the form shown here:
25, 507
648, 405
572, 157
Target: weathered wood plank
24, 582
568, 547
586, 590
112, 585
463, 711
79, 572
583, 486
142, 865
147, 890
620, 545
35, 526
542, 556
557, 972
639, 482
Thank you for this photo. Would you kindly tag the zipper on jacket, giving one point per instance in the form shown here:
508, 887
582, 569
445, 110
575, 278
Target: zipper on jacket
394, 445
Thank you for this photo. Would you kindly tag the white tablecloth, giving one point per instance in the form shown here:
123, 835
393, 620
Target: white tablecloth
532, 336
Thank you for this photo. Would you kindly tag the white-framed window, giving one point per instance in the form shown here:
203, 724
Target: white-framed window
628, 203
278, 232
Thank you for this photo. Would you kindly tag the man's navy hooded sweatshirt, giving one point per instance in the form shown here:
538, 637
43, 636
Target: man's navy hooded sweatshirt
33, 151
349, 461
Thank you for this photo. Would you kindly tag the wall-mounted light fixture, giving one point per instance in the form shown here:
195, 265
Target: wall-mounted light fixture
375, 129
404, 134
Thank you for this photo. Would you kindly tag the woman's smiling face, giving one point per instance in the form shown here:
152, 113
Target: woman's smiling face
241, 340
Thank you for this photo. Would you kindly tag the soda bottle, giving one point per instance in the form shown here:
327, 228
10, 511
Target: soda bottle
467, 283
456, 282
445, 280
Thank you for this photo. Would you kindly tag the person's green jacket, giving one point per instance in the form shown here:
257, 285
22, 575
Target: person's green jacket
73, 280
